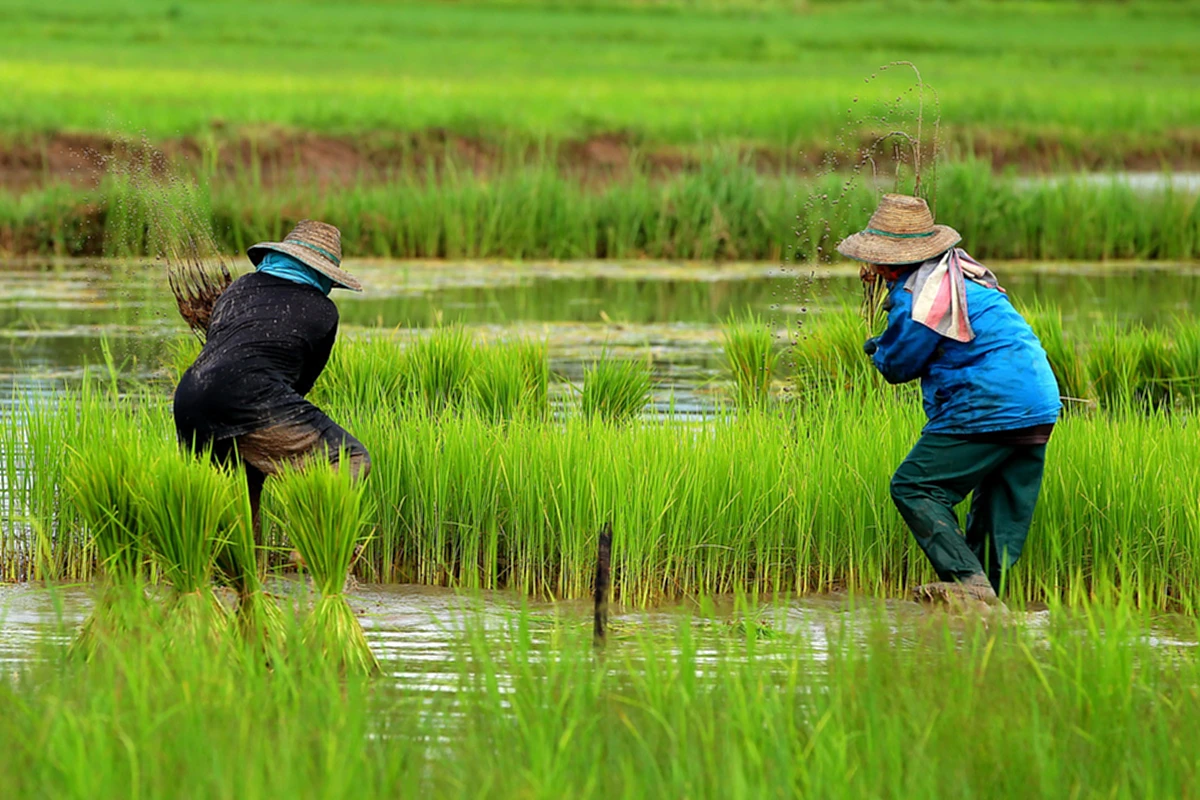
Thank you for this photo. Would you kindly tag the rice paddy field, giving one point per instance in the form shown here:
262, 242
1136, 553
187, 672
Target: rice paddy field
698, 130
627, 530
770, 71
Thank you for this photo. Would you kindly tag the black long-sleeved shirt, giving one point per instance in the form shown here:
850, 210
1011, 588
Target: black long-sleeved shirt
268, 340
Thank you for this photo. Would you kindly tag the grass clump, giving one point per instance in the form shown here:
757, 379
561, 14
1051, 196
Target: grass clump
751, 357
724, 211
185, 509
439, 368
828, 355
326, 513
259, 617
443, 370
105, 486
615, 390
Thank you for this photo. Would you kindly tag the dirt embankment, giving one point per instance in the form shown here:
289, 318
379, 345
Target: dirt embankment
281, 158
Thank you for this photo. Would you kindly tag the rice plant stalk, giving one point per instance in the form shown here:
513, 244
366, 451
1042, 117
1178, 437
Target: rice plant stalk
326, 514
102, 481
259, 617
183, 507
615, 391
751, 357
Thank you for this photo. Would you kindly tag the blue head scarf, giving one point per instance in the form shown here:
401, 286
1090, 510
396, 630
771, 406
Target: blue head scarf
284, 266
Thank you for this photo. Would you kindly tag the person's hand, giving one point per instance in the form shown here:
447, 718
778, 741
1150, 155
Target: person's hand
870, 346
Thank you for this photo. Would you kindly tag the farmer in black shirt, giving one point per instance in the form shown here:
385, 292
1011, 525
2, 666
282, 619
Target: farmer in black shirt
269, 338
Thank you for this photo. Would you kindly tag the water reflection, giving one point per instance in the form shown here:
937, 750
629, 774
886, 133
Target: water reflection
419, 633
53, 317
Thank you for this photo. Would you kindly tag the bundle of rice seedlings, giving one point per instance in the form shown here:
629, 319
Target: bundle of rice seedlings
104, 495
196, 285
1186, 356
751, 357
500, 384
439, 368
1113, 362
534, 357
1063, 353
326, 513
182, 507
259, 617
616, 391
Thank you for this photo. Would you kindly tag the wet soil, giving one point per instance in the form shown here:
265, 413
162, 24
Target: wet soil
276, 157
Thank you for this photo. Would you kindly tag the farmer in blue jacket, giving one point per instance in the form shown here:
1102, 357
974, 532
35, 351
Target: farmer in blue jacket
989, 395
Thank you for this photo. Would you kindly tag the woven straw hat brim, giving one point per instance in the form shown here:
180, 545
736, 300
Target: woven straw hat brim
888, 250
306, 256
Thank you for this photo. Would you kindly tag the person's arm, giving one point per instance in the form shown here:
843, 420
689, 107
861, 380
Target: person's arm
905, 348
315, 364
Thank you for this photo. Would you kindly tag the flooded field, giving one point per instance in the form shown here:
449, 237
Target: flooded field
54, 317
417, 631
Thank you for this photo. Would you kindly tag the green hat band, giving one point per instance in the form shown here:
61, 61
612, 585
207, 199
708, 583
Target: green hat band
899, 235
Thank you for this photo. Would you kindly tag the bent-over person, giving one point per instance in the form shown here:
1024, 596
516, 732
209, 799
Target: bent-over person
990, 398
268, 340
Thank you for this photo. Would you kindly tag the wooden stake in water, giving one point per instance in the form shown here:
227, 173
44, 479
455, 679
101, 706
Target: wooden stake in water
603, 581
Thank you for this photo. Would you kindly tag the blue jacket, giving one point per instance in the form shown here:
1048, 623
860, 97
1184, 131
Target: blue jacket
1001, 380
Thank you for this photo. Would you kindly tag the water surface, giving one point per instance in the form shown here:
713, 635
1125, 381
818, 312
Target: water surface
53, 317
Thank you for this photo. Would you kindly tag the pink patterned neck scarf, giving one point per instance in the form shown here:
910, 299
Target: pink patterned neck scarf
939, 290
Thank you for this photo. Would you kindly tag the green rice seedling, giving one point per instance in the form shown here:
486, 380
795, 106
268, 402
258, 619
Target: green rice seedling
828, 354
1095, 700
259, 617
534, 357
751, 357
615, 390
1156, 368
105, 482
1185, 369
1090, 700
724, 209
1114, 363
439, 368
511, 377
184, 506
40, 538
366, 372
1063, 353
326, 515
180, 354
499, 384
794, 500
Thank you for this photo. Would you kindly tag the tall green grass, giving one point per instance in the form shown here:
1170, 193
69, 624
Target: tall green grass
326, 516
794, 500
724, 210
186, 509
615, 390
1083, 705
445, 369
778, 73
751, 358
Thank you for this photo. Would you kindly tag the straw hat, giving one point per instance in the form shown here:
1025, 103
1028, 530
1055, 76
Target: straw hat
901, 231
317, 244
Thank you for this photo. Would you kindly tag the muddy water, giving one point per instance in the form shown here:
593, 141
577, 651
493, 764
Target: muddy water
54, 317
416, 632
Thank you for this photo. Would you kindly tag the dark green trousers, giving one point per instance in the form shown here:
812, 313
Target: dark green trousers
939, 473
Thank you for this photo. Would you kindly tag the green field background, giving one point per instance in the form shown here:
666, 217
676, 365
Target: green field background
775, 72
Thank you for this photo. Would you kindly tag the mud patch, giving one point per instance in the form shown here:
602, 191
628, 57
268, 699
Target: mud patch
279, 158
